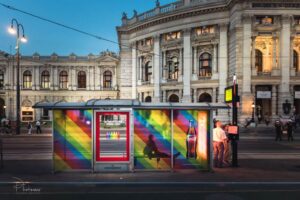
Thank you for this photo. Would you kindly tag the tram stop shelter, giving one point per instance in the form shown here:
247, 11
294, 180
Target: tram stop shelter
128, 135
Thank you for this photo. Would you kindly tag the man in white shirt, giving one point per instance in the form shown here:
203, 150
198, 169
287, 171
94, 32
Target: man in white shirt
219, 137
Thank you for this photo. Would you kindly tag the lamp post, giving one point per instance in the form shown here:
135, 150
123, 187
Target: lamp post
253, 107
23, 39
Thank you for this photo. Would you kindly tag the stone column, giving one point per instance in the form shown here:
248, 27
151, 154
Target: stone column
285, 62
274, 98
51, 78
253, 48
195, 59
215, 63
275, 69
98, 78
187, 66
70, 78
292, 69
164, 96
140, 70
164, 72
195, 95
134, 68
55, 78
181, 65
74, 78
223, 61
92, 77
37, 78
156, 70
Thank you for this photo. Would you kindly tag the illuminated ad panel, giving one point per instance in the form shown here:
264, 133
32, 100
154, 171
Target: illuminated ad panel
112, 136
190, 137
72, 139
152, 139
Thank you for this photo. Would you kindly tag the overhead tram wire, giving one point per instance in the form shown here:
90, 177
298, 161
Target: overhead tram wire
69, 27
91, 34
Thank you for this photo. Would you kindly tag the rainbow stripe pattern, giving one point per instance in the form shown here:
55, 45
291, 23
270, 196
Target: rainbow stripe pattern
72, 139
158, 124
112, 135
181, 119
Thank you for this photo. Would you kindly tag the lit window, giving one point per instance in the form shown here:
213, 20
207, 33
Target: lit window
205, 30
258, 60
107, 79
173, 36
45, 80
27, 79
265, 20
173, 67
63, 80
205, 65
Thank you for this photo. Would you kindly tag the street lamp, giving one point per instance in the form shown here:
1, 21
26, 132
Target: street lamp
253, 107
23, 39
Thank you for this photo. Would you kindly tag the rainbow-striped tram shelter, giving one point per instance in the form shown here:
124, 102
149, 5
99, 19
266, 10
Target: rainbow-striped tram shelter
127, 135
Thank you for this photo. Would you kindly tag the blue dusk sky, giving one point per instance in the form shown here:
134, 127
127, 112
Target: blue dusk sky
99, 17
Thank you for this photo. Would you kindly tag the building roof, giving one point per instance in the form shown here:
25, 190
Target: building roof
98, 104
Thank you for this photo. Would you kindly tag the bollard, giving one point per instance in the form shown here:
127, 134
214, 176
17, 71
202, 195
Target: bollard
1, 154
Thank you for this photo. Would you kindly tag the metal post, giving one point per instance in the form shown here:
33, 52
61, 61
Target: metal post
18, 127
1, 154
234, 144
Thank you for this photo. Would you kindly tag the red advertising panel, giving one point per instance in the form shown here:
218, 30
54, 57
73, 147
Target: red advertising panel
112, 136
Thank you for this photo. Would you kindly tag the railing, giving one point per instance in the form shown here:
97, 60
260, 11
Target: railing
1, 154
205, 73
168, 8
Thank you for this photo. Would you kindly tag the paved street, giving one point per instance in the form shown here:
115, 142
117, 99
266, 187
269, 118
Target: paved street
267, 169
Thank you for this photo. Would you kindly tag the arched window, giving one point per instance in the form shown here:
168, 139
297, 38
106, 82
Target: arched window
148, 71
81, 79
1, 79
173, 67
148, 99
174, 98
45, 80
205, 65
63, 80
205, 98
27, 79
107, 79
296, 60
258, 60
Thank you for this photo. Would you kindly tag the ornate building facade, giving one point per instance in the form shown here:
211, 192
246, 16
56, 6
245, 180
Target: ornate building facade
56, 78
189, 50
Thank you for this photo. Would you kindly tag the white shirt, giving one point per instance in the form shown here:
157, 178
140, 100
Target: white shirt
219, 135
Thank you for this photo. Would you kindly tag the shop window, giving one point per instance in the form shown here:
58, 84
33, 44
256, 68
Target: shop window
258, 60
173, 68
1, 79
205, 65
45, 79
81, 80
27, 80
112, 137
63, 80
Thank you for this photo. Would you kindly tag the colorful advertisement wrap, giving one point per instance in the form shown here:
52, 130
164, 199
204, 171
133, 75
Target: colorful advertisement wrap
72, 139
112, 136
191, 139
152, 139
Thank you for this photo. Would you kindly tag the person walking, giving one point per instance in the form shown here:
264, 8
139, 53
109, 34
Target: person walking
227, 152
38, 127
278, 130
29, 127
290, 130
219, 137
